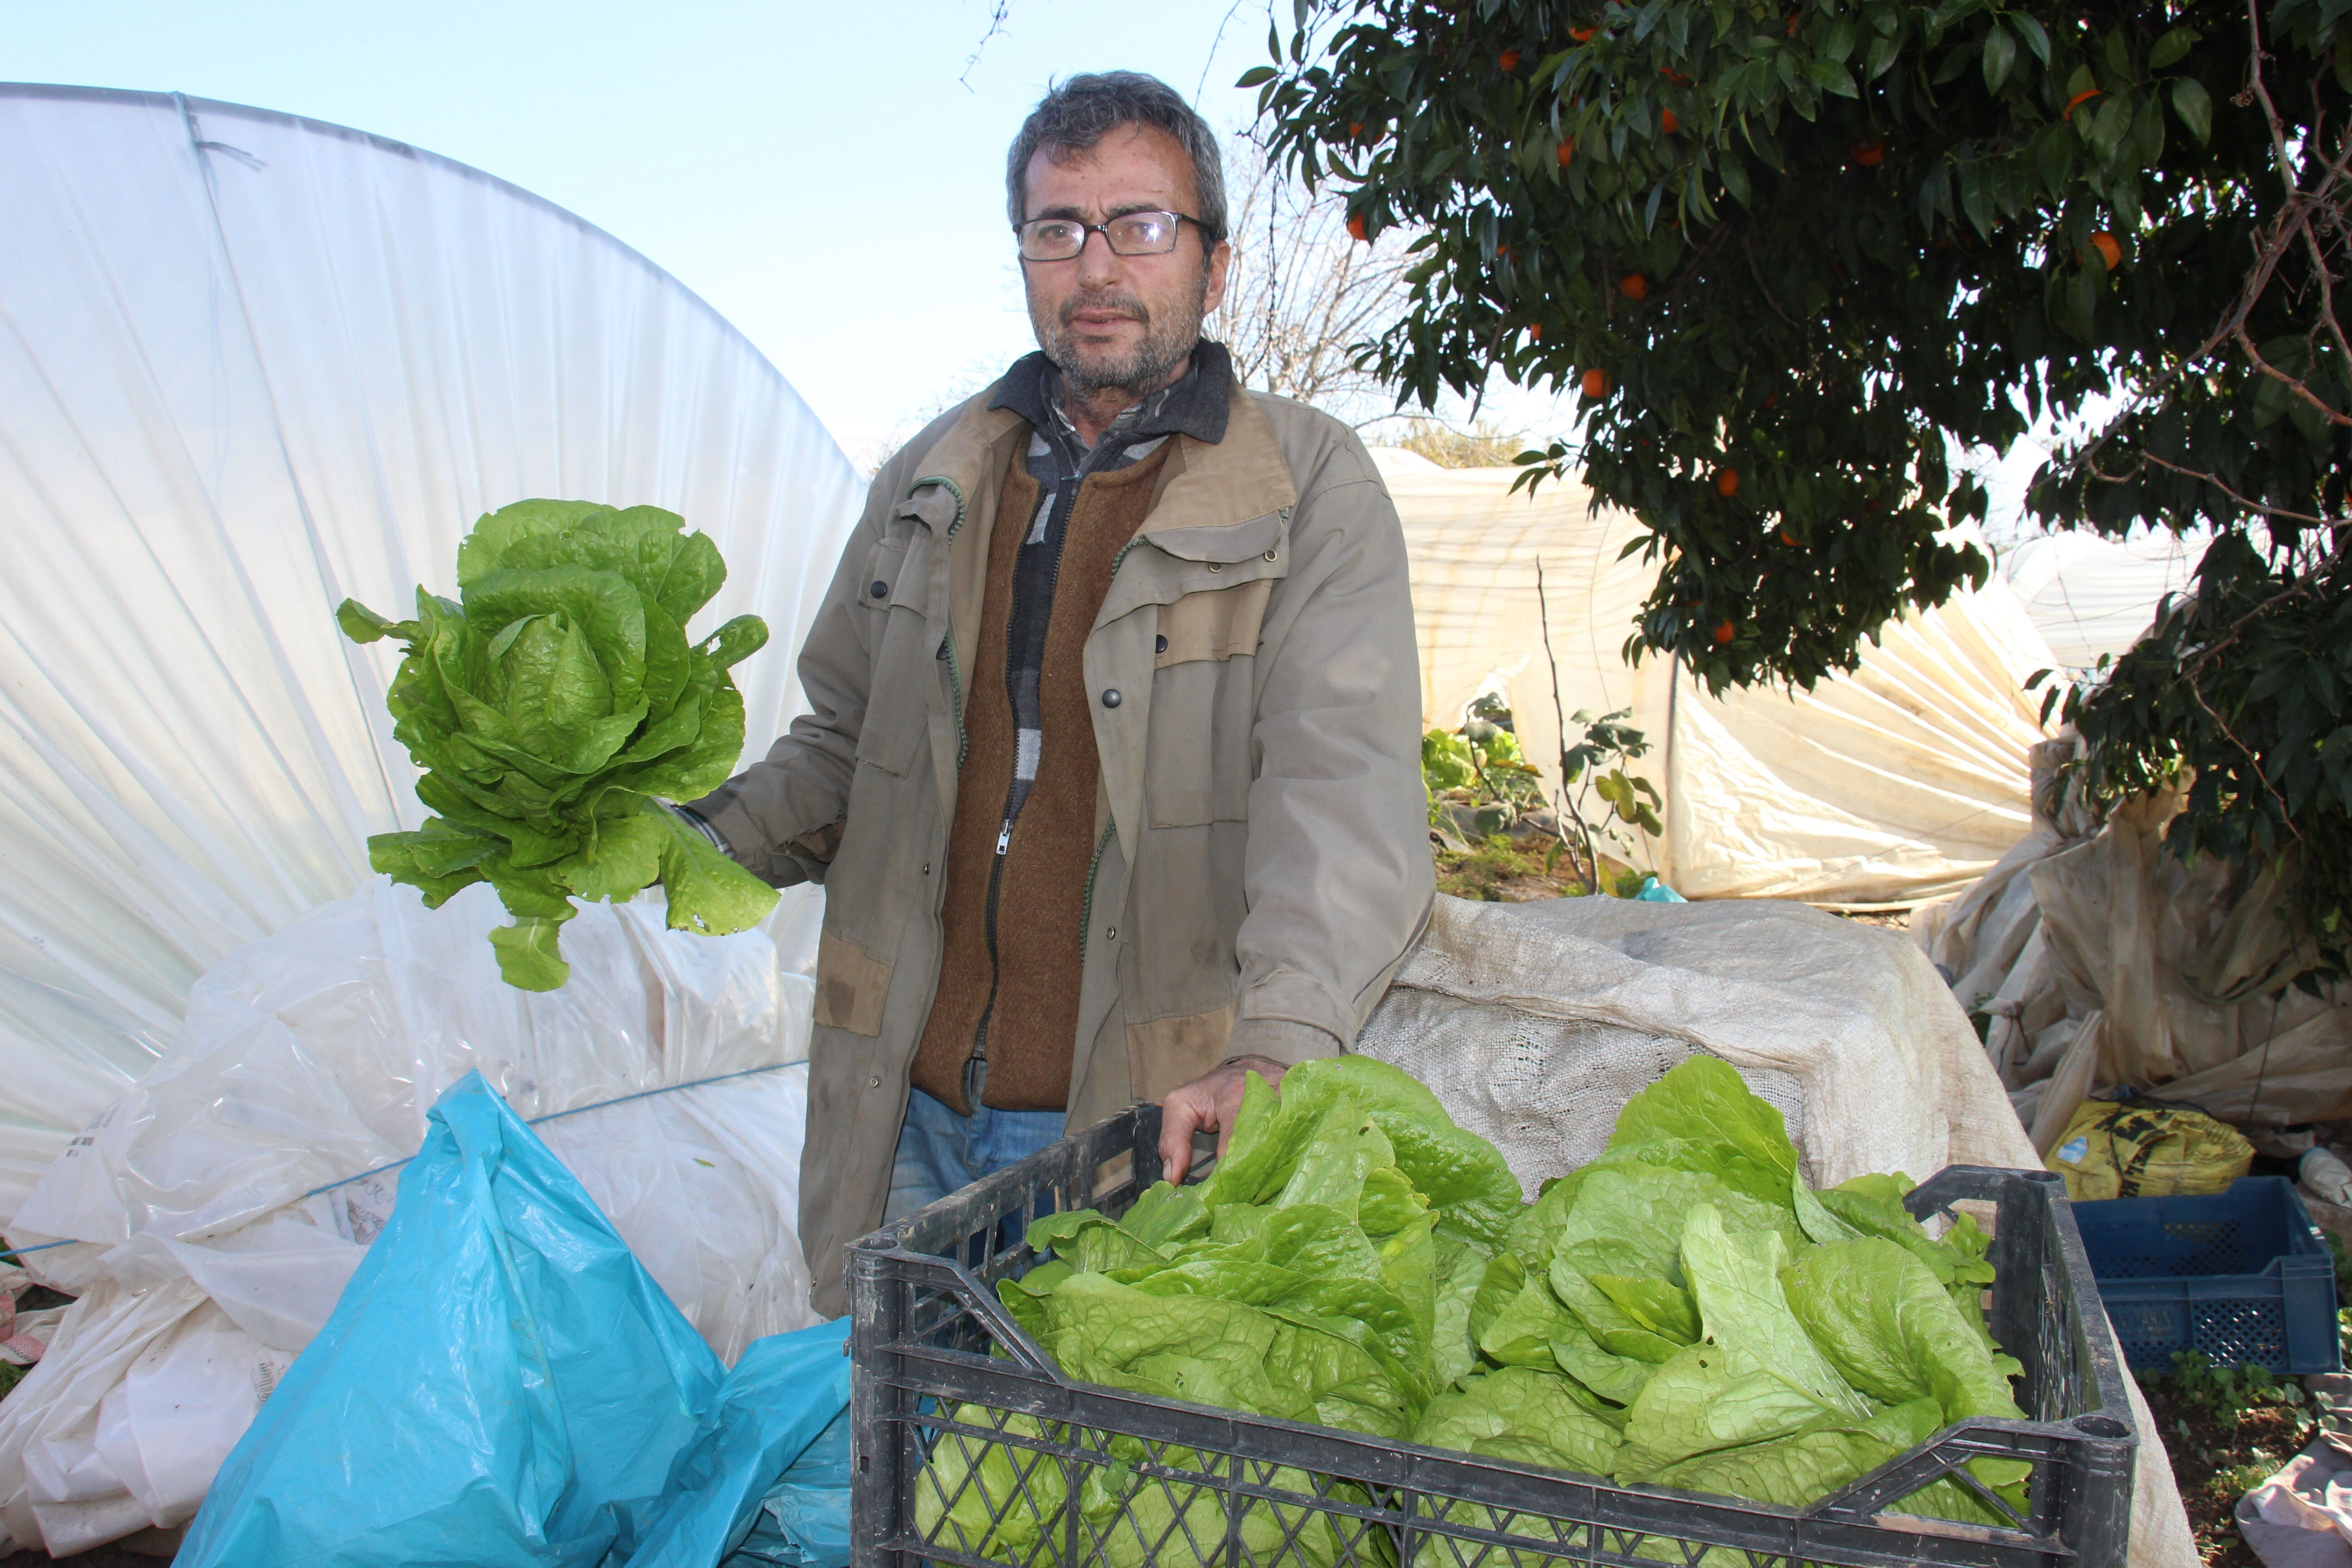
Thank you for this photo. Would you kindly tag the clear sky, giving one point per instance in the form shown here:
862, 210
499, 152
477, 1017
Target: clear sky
828, 176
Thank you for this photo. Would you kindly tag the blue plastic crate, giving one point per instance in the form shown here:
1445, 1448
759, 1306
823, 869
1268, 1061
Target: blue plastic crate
2242, 1276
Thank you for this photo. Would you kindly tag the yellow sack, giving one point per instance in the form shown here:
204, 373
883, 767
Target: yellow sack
2116, 1149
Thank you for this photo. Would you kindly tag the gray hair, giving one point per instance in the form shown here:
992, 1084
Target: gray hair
1079, 114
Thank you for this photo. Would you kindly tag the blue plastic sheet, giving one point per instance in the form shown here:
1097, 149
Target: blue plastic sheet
502, 1383
1653, 892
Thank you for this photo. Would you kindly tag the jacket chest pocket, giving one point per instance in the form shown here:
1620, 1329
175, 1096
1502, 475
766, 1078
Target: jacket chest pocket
1198, 766
1214, 624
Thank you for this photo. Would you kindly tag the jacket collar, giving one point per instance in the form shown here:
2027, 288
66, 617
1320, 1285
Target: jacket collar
1241, 478
1196, 403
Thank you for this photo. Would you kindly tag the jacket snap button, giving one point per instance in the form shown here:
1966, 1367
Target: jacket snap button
1269, 556
926, 868
1160, 645
879, 589
1111, 699
873, 1083
1217, 565
1111, 935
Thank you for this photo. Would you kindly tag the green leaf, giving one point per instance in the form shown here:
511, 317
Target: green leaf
2172, 48
2036, 36
1892, 1331
1704, 1095
1256, 75
2190, 102
1521, 1416
1999, 54
527, 959
363, 625
1736, 1279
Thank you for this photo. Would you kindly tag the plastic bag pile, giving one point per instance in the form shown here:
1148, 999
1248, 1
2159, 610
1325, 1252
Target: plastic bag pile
1684, 1310
221, 1205
548, 1402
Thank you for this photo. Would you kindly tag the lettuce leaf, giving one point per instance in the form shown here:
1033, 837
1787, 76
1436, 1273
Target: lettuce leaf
1522, 1416
1892, 1331
551, 708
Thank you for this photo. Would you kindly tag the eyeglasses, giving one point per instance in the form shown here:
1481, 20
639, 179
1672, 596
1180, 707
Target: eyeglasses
1128, 233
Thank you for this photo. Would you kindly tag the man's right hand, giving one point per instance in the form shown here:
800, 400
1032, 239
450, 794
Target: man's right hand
1210, 1103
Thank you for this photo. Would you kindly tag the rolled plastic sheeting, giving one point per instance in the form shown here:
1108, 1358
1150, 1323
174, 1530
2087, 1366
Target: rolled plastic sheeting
253, 364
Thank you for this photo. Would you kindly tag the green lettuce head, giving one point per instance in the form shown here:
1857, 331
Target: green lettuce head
551, 706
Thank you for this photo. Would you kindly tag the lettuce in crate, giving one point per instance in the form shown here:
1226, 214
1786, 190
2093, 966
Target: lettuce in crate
551, 706
1685, 1310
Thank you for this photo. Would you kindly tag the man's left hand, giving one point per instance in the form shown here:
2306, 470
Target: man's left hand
1210, 1103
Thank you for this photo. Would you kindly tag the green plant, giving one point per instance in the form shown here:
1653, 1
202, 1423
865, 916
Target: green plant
551, 707
1593, 777
2237, 1480
1480, 765
2225, 1394
1800, 253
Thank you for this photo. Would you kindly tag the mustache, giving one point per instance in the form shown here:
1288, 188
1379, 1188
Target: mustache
1117, 299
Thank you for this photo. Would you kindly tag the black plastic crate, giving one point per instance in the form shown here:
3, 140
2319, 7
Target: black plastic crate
2242, 1276
939, 1366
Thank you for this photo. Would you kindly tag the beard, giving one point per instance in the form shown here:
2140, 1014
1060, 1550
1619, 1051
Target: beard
1167, 339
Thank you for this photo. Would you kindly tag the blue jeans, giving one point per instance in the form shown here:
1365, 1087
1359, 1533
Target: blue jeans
940, 1152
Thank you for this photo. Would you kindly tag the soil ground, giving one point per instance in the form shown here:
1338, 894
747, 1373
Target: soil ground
2213, 1462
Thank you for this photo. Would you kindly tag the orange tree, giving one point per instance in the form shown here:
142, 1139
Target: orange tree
1793, 255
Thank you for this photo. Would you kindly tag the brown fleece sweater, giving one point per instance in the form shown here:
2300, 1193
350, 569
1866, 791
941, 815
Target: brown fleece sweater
1027, 994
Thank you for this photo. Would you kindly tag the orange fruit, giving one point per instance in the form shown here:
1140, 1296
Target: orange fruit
2083, 97
1565, 151
1668, 123
1535, 331
1596, 382
1722, 632
1633, 286
1509, 61
2104, 244
1870, 153
1355, 131
1581, 34
1727, 483
1792, 24
1356, 225
1787, 541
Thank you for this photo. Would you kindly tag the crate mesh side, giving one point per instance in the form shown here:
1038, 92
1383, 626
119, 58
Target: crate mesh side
998, 1487
2234, 1331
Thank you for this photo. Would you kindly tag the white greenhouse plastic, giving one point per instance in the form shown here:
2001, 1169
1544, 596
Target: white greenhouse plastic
1900, 781
253, 364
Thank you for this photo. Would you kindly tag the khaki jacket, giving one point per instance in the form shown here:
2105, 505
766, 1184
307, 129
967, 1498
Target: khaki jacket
1262, 859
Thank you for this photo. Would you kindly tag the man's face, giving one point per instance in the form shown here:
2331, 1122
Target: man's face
1111, 320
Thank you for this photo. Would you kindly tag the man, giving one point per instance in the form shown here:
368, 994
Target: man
1112, 772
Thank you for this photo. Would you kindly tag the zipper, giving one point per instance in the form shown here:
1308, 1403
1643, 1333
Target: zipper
1005, 829
996, 881
1086, 919
951, 488
955, 691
